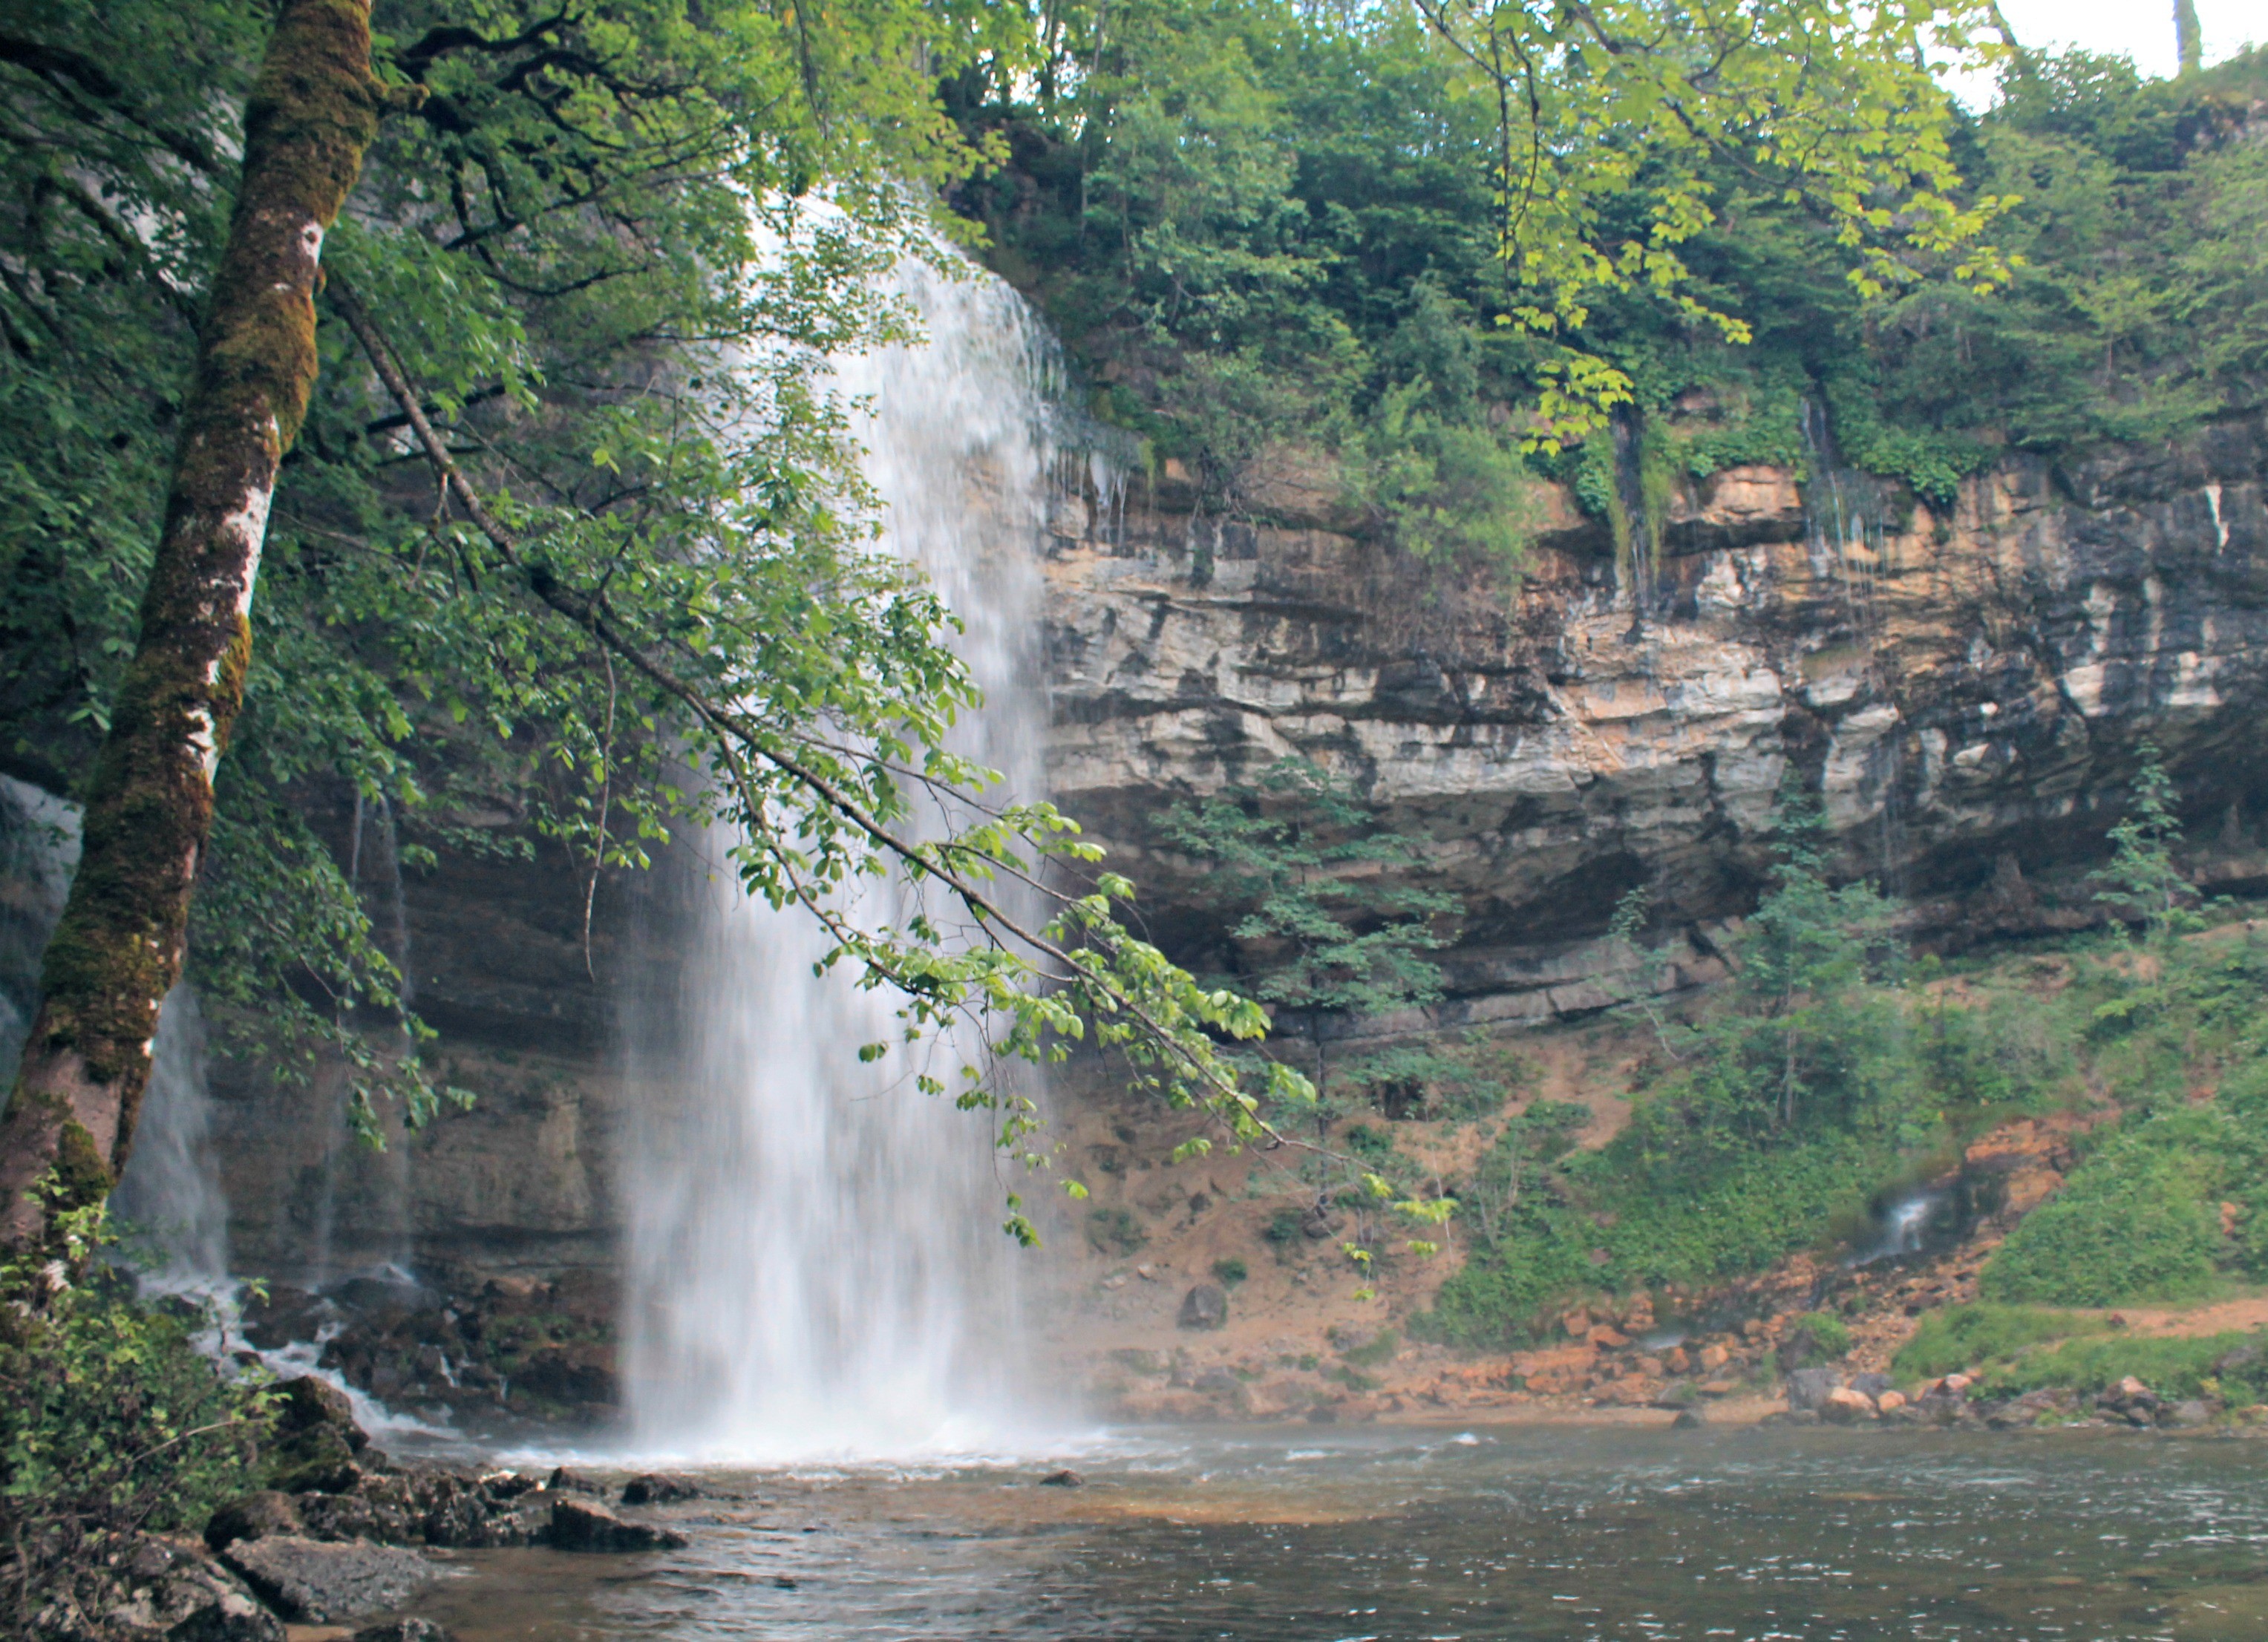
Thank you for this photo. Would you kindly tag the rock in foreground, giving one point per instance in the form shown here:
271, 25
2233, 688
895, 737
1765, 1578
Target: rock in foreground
152, 1588
578, 1525
314, 1582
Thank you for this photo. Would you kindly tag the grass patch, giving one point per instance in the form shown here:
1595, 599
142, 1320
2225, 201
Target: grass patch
2172, 1368
1969, 1337
1687, 1227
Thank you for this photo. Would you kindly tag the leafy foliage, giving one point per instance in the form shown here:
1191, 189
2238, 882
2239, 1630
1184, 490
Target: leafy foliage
1793, 1101
112, 1420
2141, 880
1325, 921
2136, 1223
1269, 224
597, 275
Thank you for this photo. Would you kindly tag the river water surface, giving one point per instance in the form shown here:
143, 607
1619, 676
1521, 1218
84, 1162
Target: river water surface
1554, 1535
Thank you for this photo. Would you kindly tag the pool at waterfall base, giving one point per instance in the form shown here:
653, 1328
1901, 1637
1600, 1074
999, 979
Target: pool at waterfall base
1399, 1535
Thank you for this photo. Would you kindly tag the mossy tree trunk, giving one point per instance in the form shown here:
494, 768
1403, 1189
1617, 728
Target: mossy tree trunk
2188, 39
314, 109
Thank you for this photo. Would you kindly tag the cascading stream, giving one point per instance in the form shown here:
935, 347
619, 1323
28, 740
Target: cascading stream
815, 1264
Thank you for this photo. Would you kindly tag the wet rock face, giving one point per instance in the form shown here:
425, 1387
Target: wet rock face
320, 1582
471, 1347
1968, 690
585, 1526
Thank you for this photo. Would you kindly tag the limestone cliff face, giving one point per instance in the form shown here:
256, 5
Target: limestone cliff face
1970, 690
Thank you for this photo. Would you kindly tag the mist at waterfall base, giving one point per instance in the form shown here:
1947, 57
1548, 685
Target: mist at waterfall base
816, 1268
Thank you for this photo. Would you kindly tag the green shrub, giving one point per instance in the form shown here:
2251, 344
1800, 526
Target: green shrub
1826, 1332
1115, 1231
2135, 1221
111, 1420
2172, 1368
1230, 1271
1372, 1145
1974, 1336
1283, 1227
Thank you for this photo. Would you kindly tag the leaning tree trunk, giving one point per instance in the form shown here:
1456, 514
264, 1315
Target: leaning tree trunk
314, 110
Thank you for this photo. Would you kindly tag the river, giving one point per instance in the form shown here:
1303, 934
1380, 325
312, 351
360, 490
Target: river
1544, 1534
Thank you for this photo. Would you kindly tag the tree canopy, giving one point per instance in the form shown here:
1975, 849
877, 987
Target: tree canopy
593, 553
1269, 224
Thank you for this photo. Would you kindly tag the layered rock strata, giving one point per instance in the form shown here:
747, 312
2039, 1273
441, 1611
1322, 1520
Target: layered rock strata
1969, 688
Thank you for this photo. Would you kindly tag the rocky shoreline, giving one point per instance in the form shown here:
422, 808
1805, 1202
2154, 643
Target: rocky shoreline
343, 1533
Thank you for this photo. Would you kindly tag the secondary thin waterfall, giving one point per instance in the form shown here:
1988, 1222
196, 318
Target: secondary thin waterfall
815, 1264
170, 1201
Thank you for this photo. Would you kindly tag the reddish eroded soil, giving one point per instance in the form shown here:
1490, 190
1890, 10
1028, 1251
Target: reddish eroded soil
1299, 1343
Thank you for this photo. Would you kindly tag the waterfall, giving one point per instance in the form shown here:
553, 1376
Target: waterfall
815, 1264
169, 1201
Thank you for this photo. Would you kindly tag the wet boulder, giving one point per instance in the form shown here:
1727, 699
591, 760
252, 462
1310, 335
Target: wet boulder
1808, 1388
2049, 1406
317, 1582
1844, 1406
2130, 1400
253, 1516
311, 1402
1204, 1307
469, 1522
1943, 1407
660, 1488
404, 1630
337, 1518
579, 1525
318, 1449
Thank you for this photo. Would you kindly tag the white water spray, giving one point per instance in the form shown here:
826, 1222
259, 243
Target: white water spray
1904, 1227
816, 1268
170, 1198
